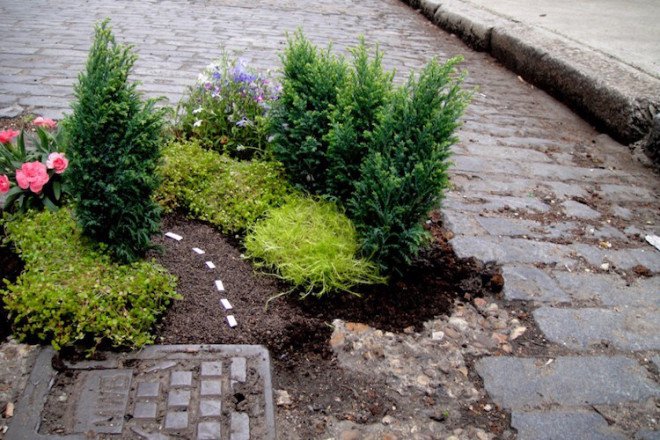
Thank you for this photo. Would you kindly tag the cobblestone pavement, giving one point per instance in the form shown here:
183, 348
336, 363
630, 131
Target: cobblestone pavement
561, 207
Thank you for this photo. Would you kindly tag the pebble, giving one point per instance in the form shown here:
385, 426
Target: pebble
481, 435
488, 407
459, 324
350, 435
387, 420
517, 332
452, 333
438, 336
9, 410
480, 303
283, 398
499, 338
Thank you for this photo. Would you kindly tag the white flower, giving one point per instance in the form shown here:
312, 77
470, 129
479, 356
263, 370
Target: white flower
197, 110
197, 123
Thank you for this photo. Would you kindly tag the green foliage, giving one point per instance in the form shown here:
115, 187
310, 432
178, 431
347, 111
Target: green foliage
50, 195
301, 116
226, 110
312, 246
227, 193
71, 294
405, 173
360, 102
113, 141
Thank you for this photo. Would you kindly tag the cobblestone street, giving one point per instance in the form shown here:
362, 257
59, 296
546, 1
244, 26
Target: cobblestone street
562, 208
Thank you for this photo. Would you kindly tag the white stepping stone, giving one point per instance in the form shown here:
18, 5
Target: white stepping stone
231, 321
219, 285
198, 251
173, 236
210, 265
226, 304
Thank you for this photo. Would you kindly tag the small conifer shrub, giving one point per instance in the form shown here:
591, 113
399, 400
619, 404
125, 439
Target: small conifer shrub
301, 116
114, 144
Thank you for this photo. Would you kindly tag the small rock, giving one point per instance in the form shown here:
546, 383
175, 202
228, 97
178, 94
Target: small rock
337, 339
9, 410
423, 380
480, 303
507, 348
459, 324
409, 330
517, 332
283, 398
452, 333
389, 436
605, 266
438, 336
387, 420
463, 371
481, 435
356, 327
488, 407
492, 308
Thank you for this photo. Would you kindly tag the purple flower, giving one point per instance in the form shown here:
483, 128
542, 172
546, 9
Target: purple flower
243, 122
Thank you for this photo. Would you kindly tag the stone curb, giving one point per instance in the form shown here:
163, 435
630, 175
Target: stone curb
617, 98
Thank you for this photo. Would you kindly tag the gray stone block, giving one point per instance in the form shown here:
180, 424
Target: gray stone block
610, 290
531, 284
579, 210
176, 420
628, 329
211, 388
148, 389
210, 408
529, 383
145, 410
211, 369
555, 425
240, 426
181, 379
238, 369
511, 250
209, 431
103, 401
178, 399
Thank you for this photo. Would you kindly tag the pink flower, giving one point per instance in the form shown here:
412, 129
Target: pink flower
4, 184
44, 122
32, 175
7, 135
57, 162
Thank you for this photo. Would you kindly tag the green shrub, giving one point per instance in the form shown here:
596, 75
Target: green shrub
113, 142
359, 105
312, 246
70, 294
226, 110
227, 193
405, 173
301, 116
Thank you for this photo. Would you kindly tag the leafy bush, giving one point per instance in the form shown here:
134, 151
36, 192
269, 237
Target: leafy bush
360, 102
32, 177
301, 116
70, 294
227, 109
113, 141
405, 173
312, 246
227, 193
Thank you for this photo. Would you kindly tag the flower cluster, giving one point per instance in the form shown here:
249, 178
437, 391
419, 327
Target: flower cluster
227, 108
31, 179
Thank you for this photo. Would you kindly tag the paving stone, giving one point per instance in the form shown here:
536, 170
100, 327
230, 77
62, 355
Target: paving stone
622, 258
148, 389
627, 329
209, 431
240, 426
181, 379
11, 111
511, 250
529, 383
145, 410
554, 425
176, 420
579, 210
211, 388
210, 408
211, 368
531, 284
238, 369
178, 398
647, 435
496, 203
610, 290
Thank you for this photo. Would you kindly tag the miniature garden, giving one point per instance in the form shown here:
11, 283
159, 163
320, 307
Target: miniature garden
257, 212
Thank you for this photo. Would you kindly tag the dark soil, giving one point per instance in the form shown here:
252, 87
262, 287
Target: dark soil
297, 331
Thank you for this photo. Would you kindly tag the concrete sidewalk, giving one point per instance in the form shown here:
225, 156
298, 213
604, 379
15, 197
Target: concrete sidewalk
602, 58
